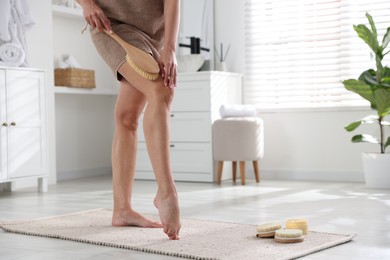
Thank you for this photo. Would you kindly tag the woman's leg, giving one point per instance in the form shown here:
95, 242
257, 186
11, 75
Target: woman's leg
156, 130
128, 108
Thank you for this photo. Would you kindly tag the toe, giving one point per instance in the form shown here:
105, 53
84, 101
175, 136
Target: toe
166, 229
172, 234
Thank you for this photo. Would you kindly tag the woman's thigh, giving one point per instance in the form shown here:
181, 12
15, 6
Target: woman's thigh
150, 88
130, 102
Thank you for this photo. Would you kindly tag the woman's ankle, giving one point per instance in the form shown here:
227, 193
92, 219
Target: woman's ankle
166, 192
122, 208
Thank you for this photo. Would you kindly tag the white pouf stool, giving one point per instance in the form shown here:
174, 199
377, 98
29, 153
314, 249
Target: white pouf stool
238, 139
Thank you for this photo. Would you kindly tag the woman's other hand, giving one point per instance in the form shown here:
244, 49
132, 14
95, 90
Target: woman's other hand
168, 67
94, 15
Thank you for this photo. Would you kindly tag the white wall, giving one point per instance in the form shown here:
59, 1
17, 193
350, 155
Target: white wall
309, 145
84, 123
229, 29
84, 130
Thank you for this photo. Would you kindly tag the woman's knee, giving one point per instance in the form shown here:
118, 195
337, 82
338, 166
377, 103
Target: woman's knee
162, 95
126, 119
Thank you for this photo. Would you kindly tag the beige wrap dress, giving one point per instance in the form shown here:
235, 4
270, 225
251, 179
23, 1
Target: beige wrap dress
138, 22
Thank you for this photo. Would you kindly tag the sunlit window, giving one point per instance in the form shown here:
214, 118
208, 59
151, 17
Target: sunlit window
298, 52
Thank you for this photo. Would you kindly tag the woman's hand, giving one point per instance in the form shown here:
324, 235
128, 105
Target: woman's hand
94, 15
168, 67
168, 64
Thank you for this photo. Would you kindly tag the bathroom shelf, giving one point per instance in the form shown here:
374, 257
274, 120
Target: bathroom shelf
86, 91
67, 12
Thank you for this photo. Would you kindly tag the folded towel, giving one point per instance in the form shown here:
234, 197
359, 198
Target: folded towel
237, 111
24, 14
11, 54
71, 61
5, 14
67, 61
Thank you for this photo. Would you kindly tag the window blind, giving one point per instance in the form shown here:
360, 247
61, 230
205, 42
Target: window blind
298, 52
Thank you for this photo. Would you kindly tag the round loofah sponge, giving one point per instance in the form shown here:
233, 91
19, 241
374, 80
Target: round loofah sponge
297, 224
268, 229
288, 235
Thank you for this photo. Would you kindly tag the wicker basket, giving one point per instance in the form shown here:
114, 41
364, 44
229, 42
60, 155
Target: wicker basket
75, 78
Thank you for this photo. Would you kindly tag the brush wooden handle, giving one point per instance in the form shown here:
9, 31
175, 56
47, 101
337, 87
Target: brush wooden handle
143, 60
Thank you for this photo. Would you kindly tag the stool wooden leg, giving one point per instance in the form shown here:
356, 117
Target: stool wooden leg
242, 172
219, 174
256, 169
234, 166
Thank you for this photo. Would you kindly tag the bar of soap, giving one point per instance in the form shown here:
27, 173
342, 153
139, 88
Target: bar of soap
297, 224
268, 229
289, 235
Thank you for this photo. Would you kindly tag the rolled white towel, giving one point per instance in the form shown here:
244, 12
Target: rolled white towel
70, 61
11, 54
67, 61
61, 64
237, 111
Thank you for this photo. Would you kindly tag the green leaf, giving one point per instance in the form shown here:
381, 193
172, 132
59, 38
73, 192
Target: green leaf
372, 24
382, 101
387, 113
386, 72
352, 126
385, 76
360, 88
387, 142
386, 80
370, 119
369, 77
379, 67
366, 120
367, 36
364, 139
386, 39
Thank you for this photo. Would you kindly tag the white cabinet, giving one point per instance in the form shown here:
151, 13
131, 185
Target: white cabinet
196, 104
23, 138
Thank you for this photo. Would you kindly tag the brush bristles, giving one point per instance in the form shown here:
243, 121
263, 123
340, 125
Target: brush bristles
141, 72
269, 227
288, 233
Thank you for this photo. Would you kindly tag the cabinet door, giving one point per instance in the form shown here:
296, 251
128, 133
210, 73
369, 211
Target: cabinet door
26, 119
3, 128
185, 157
192, 96
185, 127
190, 127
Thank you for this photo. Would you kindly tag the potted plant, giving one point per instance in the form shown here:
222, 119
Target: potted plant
374, 86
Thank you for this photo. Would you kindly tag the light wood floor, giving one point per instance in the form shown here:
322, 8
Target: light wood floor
329, 207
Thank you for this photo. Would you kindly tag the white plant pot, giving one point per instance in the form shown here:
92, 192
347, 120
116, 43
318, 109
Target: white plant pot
377, 170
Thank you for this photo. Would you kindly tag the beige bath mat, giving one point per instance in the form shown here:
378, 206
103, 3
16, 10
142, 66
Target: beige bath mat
200, 239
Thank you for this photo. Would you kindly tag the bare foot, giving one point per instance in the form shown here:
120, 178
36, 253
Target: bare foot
168, 207
132, 218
